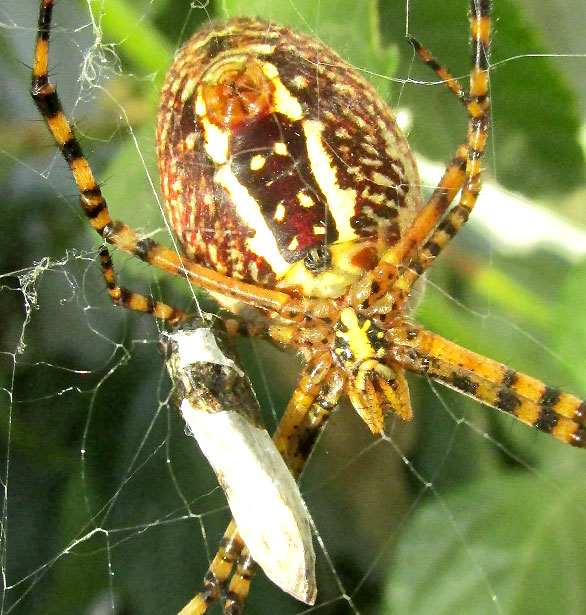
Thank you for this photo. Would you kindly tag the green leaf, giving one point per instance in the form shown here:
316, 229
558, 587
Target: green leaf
535, 117
351, 28
569, 335
497, 546
137, 38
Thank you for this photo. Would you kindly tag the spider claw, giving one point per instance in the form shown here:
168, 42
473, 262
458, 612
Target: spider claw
368, 408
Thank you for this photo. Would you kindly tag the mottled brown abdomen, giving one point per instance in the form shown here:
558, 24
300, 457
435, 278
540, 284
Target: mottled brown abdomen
279, 164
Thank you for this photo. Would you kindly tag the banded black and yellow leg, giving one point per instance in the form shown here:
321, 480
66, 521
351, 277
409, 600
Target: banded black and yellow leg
239, 586
295, 437
451, 82
387, 271
450, 184
531, 401
135, 301
374, 285
478, 106
218, 573
49, 106
94, 204
463, 173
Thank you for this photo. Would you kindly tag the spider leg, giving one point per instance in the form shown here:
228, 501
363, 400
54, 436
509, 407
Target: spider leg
452, 83
531, 401
408, 250
302, 420
445, 192
94, 204
374, 285
218, 573
479, 111
239, 586
319, 389
135, 301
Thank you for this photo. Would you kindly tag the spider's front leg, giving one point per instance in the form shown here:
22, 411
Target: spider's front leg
387, 286
529, 400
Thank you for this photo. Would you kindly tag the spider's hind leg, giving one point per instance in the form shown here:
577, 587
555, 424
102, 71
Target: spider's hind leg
402, 264
135, 301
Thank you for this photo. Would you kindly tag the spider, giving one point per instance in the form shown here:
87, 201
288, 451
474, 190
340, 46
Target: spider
301, 214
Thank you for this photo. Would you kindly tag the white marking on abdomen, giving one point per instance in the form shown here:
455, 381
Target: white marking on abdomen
263, 243
341, 203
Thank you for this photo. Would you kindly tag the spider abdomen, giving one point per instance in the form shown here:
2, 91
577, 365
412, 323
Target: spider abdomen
279, 164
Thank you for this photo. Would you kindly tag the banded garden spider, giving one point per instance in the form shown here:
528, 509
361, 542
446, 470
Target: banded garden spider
133, 301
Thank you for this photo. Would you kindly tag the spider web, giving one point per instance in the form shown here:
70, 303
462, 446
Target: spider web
109, 508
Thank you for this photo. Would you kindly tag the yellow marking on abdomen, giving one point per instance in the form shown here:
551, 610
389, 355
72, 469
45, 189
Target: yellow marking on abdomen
341, 203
